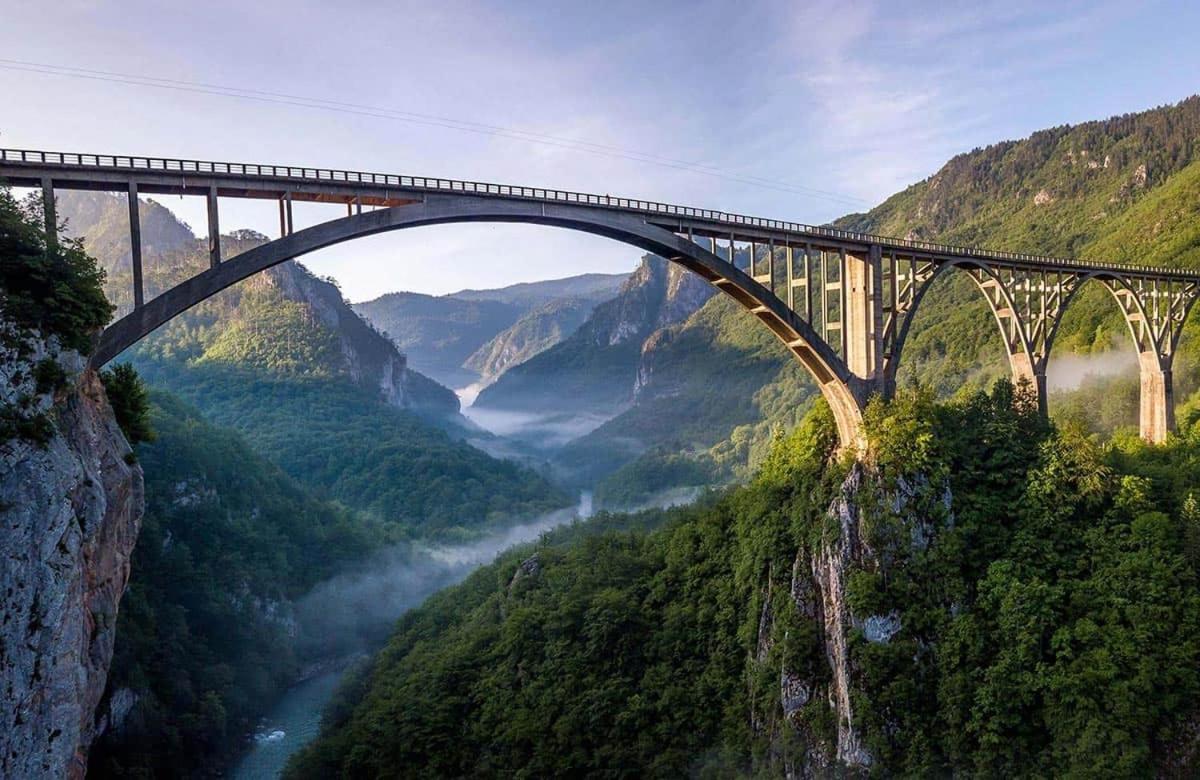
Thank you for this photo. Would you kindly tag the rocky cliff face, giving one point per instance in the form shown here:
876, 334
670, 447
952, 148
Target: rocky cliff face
370, 359
819, 589
70, 506
656, 295
596, 368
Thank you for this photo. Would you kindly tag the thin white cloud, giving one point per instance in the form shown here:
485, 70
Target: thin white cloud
857, 98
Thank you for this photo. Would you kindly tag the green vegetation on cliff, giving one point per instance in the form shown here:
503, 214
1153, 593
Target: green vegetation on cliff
54, 288
47, 291
1017, 601
130, 402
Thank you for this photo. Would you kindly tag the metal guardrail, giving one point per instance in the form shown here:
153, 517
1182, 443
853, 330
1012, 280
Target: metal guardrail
328, 175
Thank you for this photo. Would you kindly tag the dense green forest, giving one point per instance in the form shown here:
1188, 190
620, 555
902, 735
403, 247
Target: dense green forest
340, 441
205, 633
1040, 585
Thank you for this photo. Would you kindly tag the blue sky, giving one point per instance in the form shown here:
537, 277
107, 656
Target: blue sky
802, 110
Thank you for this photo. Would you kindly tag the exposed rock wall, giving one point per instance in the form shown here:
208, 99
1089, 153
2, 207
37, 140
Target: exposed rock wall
595, 369
70, 510
658, 294
830, 567
819, 590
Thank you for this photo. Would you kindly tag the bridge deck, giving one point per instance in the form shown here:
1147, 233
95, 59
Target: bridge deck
156, 175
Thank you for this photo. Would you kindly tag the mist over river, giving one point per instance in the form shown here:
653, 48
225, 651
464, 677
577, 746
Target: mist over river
352, 614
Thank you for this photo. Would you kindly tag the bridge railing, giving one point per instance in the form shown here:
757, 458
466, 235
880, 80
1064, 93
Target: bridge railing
423, 183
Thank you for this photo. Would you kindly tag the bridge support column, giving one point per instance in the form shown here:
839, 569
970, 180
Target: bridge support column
1156, 416
214, 229
135, 246
862, 319
847, 414
49, 213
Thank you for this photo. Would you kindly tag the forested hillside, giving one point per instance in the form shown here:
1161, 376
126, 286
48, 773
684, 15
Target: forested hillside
534, 332
205, 634
595, 369
1123, 189
462, 338
438, 333
283, 359
346, 445
990, 597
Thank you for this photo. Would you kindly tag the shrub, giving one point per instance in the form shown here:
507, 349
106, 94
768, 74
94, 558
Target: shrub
57, 289
130, 402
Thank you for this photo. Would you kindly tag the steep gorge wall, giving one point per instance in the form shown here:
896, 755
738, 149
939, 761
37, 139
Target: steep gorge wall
595, 369
370, 359
70, 508
819, 705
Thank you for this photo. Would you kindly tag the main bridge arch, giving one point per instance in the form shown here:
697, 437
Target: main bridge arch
845, 392
842, 301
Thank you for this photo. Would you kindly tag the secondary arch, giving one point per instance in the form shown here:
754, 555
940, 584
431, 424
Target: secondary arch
1023, 363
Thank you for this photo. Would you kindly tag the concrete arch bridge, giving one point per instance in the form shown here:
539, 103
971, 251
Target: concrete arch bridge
842, 302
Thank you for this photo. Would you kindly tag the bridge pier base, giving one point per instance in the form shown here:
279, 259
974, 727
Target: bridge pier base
1156, 416
1026, 373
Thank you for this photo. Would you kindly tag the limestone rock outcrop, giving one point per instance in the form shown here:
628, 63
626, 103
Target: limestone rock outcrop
70, 508
819, 589
369, 357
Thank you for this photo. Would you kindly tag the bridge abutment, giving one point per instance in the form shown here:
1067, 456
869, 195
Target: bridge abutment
1032, 374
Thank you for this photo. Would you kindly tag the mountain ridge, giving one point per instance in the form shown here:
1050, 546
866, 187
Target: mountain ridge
444, 333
